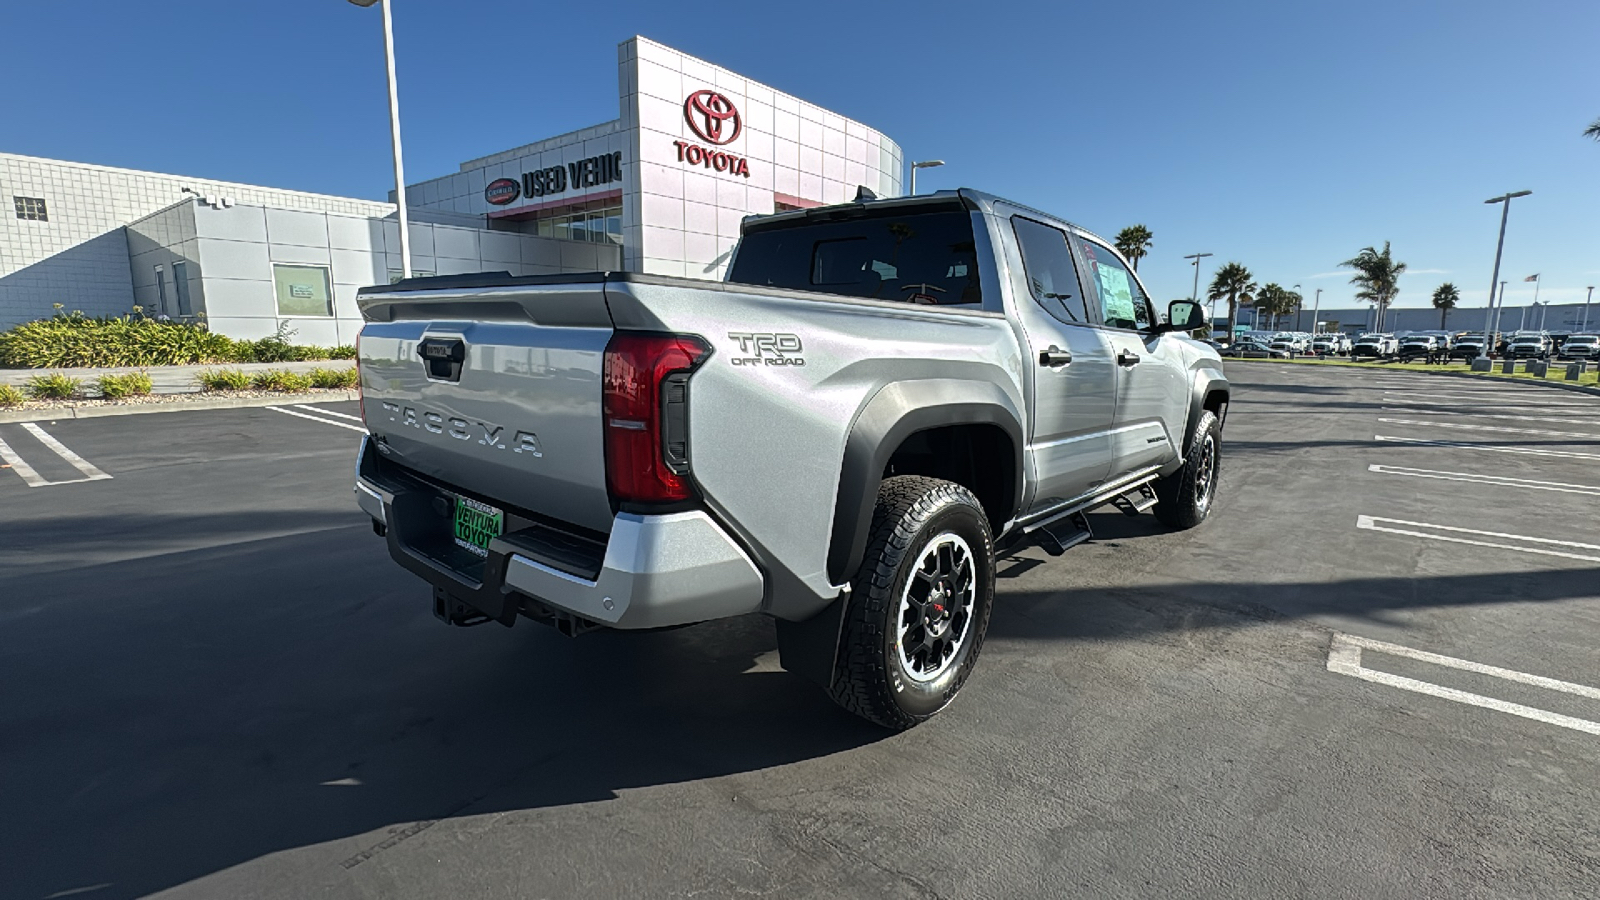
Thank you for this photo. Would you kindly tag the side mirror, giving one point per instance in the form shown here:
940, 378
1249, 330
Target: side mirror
1184, 315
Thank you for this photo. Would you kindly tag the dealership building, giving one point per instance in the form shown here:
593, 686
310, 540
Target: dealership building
659, 189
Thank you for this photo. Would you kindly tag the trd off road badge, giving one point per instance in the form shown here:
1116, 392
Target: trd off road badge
762, 349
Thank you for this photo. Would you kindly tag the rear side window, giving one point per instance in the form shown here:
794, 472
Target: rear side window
1122, 302
1052, 275
926, 258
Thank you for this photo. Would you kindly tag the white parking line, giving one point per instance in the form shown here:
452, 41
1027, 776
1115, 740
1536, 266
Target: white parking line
1344, 658
1370, 523
1496, 428
1492, 403
1499, 480
290, 412
327, 412
1525, 451
90, 472
20, 466
1503, 416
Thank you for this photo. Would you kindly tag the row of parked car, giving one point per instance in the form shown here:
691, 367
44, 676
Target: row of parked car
1432, 346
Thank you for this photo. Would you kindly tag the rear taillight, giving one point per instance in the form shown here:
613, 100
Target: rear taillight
645, 407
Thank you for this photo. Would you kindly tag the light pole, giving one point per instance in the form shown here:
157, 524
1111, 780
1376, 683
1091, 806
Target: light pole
1299, 306
1315, 311
394, 136
1195, 295
1585, 325
1499, 310
926, 164
1505, 213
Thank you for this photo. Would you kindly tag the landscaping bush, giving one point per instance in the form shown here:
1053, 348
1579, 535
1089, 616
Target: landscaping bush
71, 340
224, 380
74, 340
54, 386
11, 396
119, 387
335, 378
343, 351
281, 380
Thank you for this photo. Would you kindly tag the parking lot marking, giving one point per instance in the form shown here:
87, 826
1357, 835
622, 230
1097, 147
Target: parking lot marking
1344, 658
1370, 523
1526, 451
20, 466
90, 472
1497, 428
1497, 403
1476, 415
327, 412
290, 412
1501, 480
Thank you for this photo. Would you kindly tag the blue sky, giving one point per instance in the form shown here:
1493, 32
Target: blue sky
1286, 136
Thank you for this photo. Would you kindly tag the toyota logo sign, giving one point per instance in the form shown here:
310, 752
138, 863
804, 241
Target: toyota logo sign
502, 191
707, 112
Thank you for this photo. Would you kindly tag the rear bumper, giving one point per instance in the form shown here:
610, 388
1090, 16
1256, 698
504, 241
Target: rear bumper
654, 571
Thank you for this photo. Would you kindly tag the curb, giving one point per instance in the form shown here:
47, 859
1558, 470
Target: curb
1433, 373
137, 409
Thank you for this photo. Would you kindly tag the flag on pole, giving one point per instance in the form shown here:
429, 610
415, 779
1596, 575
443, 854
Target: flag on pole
1533, 277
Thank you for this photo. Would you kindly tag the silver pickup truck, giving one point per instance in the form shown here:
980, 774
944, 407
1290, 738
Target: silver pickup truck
840, 435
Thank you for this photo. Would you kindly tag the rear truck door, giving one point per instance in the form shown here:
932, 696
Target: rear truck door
1069, 369
1152, 397
495, 390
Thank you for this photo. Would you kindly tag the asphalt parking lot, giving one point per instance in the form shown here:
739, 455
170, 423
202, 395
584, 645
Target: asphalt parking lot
1372, 673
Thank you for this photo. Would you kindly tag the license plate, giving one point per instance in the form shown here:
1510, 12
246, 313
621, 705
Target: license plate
476, 524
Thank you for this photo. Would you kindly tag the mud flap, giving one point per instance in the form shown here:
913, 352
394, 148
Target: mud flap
810, 648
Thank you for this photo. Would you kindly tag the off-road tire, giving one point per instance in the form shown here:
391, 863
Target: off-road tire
1186, 496
869, 679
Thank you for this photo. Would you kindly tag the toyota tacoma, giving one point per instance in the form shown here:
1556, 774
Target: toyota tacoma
841, 435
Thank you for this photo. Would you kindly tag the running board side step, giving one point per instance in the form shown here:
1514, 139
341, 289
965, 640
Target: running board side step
1059, 535
1136, 502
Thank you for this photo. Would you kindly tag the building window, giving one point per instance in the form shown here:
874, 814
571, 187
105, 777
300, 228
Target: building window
302, 290
161, 292
180, 285
593, 222
31, 208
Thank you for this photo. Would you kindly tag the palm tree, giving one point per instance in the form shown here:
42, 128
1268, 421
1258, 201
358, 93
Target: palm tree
1593, 131
1445, 298
1232, 283
1377, 276
1135, 242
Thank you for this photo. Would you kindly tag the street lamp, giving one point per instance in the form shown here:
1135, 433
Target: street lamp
1299, 306
1585, 325
1315, 311
394, 136
926, 164
1505, 212
1195, 296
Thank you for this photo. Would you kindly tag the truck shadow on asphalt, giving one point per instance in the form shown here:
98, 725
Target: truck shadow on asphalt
170, 717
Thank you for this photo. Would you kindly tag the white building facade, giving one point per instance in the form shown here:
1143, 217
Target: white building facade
660, 189
696, 148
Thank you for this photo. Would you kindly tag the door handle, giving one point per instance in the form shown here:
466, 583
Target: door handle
1127, 358
1054, 356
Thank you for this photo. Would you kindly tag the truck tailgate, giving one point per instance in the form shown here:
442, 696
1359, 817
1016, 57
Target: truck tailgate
494, 391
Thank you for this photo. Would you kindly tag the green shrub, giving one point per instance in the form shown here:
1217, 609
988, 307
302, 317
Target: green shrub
334, 378
54, 386
343, 351
224, 380
11, 396
118, 387
73, 340
281, 380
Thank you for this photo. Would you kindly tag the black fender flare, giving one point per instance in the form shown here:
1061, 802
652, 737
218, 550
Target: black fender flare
897, 411
1206, 383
